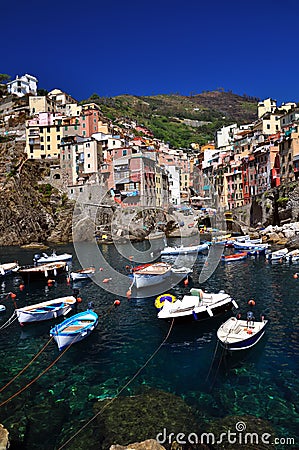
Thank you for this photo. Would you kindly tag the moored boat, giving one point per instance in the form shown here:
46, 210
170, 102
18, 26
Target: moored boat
151, 274
247, 245
278, 255
74, 329
44, 258
292, 256
184, 250
234, 257
46, 310
42, 272
237, 334
8, 268
83, 274
199, 305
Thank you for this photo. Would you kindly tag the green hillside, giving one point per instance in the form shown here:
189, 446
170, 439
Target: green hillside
181, 120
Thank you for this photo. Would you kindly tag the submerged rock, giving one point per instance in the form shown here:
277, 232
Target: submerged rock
232, 432
149, 444
143, 417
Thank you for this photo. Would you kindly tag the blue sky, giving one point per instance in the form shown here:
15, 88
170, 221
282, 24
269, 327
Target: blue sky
154, 47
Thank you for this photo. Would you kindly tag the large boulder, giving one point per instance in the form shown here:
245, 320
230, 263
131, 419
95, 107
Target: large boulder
4, 442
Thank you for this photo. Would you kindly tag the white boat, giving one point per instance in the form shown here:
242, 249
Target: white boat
182, 250
237, 334
46, 310
247, 239
278, 255
8, 268
44, 258
74, 329
181, 271
2, 308
151, 274
83, 274
199, 306
247, 245
292, 256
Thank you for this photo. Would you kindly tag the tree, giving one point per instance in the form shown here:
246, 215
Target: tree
4, 78
42, 92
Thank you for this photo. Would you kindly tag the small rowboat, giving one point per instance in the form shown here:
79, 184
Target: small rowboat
83, 274
46, 310
74, 329
234, 257
33, 273
2, 308
237, 334
151, 274
279, 255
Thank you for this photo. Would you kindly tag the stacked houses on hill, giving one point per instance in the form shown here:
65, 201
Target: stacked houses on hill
84, 148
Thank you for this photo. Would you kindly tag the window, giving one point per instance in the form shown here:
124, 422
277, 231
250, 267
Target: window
33, 110
95, 120
66, 127
57, 128
48, 129
42, 147
268, 126
42, 138
58, 137
48, 138
83, 125
124, 152
88, 155
72, 191
48, 147
81, 189
88, 166
84, 133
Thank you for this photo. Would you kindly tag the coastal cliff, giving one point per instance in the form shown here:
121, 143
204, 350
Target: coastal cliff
30, 210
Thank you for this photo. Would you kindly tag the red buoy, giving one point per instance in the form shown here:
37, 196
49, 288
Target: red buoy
117, 302
295, 275
251, 302
186, 282
79, 300
12, 295
21, 287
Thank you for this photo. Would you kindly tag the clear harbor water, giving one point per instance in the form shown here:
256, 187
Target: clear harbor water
261, 382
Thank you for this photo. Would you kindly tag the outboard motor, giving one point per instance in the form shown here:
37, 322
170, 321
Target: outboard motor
36, 257
250, 318
90, 305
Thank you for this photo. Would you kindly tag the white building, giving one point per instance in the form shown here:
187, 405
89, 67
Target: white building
27, 84
224, 136
174, 184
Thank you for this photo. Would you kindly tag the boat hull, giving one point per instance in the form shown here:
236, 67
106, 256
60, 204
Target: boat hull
53, 258
205, 309
81, 275
8, 269
169, 251
231, 341
143, 281
46, 310
73, 329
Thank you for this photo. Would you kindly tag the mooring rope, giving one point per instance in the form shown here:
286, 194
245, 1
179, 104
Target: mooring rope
40, 375
122, 389
9, 321
29, 364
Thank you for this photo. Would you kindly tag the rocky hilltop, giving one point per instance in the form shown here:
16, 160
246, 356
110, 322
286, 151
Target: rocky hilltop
29, 209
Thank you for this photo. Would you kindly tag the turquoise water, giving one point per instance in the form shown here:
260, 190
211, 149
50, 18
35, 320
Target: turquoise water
263, 382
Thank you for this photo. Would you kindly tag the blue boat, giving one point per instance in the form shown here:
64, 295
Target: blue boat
237, 334
74, 329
